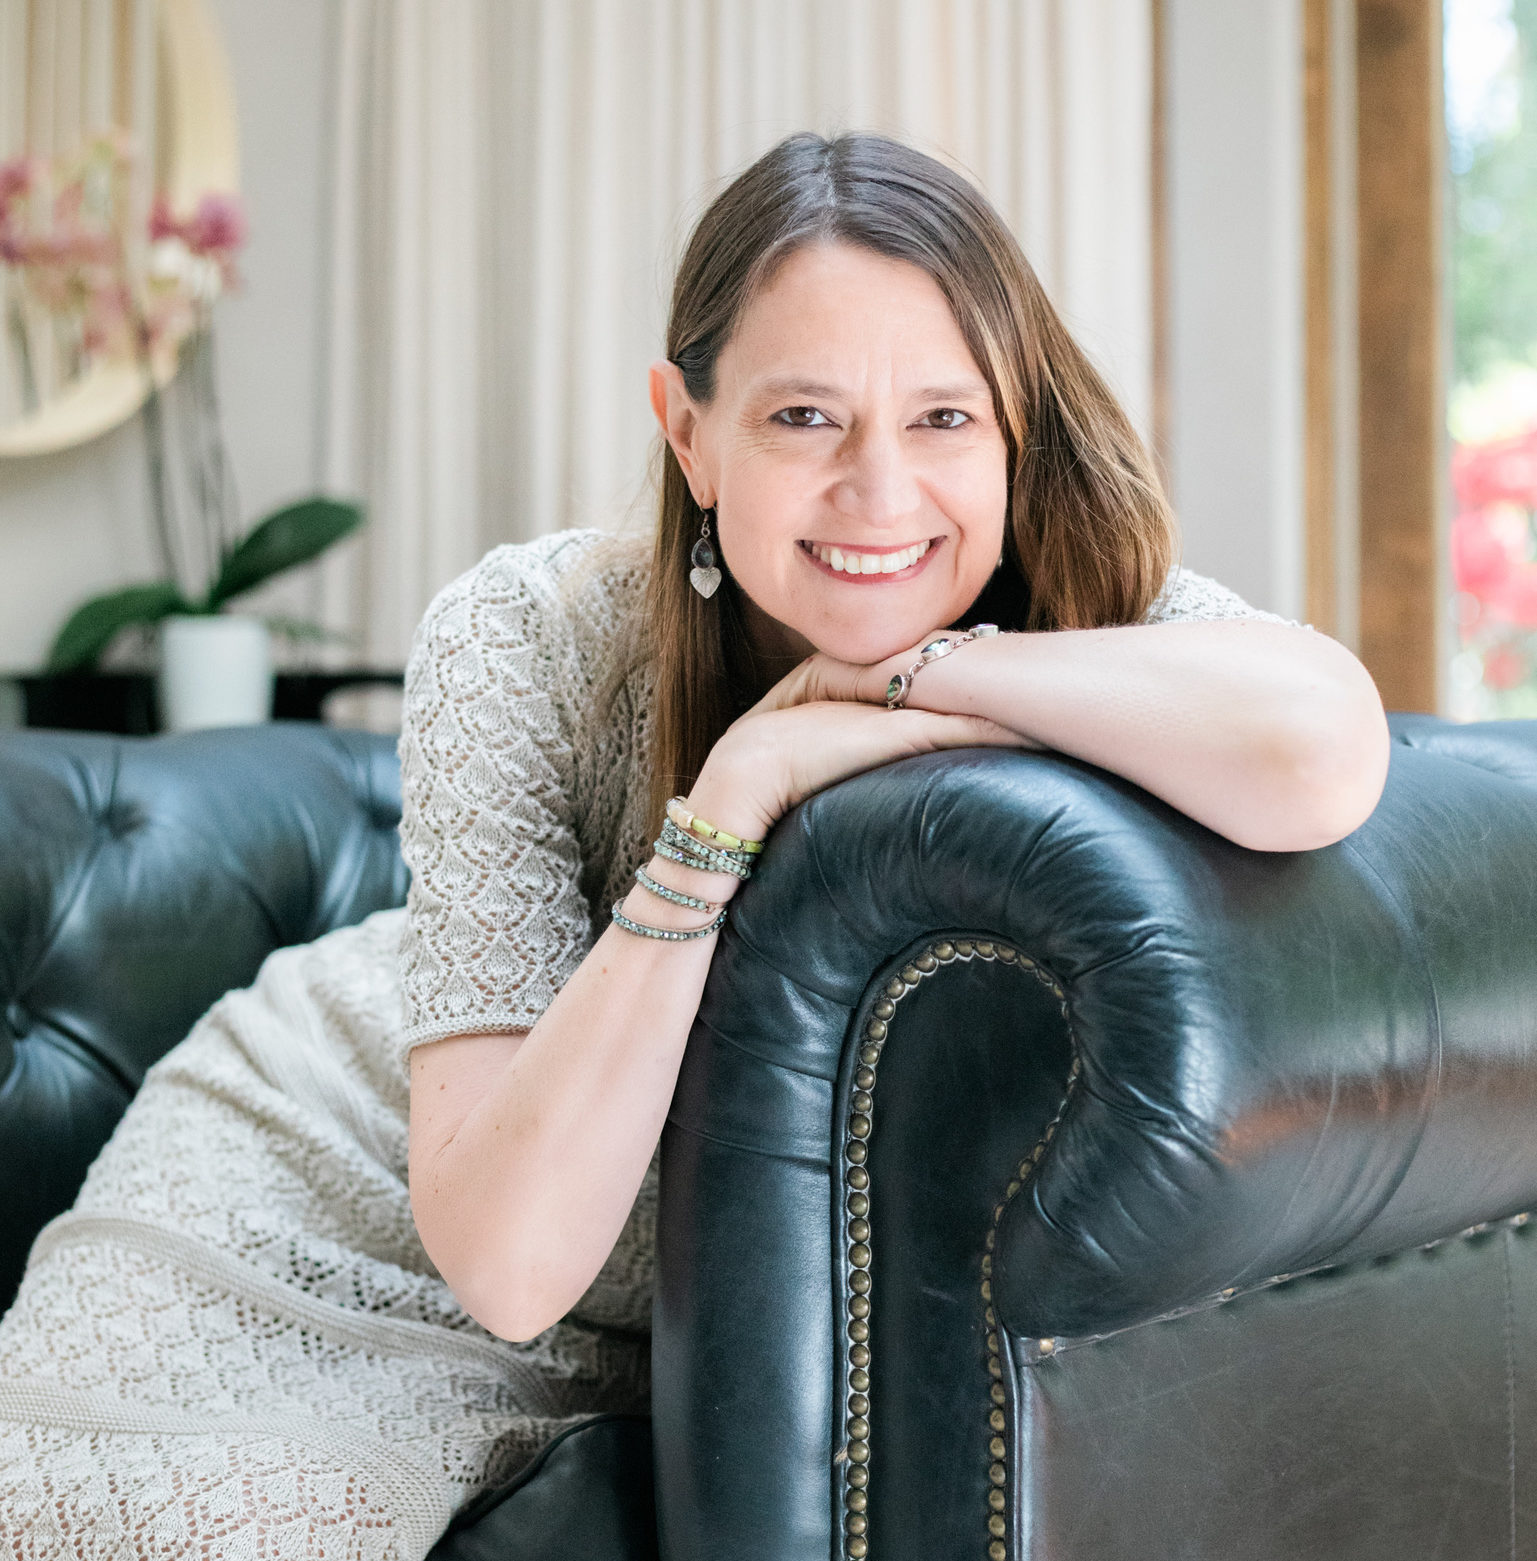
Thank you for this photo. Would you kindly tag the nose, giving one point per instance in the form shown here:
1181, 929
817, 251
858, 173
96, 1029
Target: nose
877, 484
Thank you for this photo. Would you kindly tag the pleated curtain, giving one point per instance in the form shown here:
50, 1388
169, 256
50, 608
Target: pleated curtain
514, 179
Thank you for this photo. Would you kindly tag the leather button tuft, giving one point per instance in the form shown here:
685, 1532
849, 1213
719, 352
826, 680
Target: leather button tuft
18, 1020
122, 819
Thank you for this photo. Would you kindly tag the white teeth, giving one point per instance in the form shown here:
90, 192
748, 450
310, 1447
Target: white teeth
869, 563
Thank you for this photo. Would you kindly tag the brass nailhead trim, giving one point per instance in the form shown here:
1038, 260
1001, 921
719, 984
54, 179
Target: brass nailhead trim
997, 1473
857, 1228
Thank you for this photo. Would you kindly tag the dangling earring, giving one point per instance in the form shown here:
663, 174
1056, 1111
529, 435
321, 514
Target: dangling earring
704, 576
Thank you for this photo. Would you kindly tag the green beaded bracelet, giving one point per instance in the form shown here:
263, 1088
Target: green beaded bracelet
666, 934
679, 846
677, 896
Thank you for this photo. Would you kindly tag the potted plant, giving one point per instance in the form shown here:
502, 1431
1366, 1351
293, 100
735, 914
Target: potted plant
216, 667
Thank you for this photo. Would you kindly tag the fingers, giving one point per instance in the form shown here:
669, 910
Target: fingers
830, 679
777, 757
824, 678
904, 730
791, 689
881, 735
964, 731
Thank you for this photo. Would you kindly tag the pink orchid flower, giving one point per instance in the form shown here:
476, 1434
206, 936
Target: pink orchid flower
17, 177
69, 253
214, 231
217, 227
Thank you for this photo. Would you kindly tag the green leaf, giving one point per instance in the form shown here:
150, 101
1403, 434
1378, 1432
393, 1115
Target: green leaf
93, 626
288, 537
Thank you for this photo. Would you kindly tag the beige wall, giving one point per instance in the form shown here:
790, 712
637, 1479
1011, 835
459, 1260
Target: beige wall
76, 523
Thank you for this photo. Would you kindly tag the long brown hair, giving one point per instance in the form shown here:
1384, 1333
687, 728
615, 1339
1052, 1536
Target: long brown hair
1089, 536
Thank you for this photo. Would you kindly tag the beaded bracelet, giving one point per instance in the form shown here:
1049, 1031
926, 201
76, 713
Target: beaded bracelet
678, 845
662, 892
667, 934
685, 818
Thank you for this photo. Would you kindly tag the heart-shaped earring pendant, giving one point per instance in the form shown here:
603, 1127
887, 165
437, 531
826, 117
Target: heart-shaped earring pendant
704, 576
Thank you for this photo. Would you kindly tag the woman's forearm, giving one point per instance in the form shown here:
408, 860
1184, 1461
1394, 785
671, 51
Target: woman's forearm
526, 1154
527, 1150
1271, 735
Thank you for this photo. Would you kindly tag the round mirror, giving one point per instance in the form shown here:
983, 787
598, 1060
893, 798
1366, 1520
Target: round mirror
117, 137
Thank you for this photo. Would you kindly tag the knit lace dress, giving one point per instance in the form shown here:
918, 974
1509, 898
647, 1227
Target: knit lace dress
233, 1345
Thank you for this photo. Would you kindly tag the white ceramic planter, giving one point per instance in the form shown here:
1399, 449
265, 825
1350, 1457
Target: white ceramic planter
214, 671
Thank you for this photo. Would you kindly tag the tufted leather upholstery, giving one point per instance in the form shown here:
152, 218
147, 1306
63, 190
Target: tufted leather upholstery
1127, 1076
140, 880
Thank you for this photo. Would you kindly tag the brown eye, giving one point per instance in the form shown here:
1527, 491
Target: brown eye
946, 417
800, 417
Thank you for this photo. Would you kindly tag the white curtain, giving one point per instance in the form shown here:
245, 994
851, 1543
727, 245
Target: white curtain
514, 180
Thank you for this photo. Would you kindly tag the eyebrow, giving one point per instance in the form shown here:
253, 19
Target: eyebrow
788, 385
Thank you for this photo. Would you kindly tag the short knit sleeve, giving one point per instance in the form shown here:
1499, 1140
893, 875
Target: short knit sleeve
1191, 598
496, 922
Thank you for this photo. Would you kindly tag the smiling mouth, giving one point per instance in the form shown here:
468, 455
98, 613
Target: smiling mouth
869, 563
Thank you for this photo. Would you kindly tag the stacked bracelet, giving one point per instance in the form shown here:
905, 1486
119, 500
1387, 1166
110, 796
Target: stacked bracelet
686, 842
685, 818
679, 845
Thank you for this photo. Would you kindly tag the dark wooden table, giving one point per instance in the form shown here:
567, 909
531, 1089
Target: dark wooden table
124, 702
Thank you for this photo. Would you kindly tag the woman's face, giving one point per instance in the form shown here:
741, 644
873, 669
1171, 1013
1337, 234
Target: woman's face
852, 455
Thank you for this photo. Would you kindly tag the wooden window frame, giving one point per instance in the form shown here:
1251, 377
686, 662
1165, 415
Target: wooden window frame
1400, 174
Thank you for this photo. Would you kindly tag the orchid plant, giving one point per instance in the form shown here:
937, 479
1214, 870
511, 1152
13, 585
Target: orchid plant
107, 294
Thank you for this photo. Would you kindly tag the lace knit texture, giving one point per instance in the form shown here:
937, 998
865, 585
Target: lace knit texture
234, 1346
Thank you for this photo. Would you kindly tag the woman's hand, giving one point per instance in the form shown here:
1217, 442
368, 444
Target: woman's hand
821, 677
824, 721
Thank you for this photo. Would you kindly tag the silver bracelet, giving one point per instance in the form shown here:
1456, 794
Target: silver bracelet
931, 650
677, 845
667, 934
677, 896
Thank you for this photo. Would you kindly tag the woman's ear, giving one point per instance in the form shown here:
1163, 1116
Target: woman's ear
679, 420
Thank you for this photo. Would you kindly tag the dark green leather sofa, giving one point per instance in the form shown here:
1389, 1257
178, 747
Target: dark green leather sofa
1048, 1179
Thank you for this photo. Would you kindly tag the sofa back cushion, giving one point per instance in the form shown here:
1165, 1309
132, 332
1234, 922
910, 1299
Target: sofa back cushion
140, 880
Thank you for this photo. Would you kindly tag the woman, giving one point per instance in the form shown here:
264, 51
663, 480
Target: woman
872, 413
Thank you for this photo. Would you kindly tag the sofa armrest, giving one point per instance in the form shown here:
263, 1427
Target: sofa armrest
1121, 1066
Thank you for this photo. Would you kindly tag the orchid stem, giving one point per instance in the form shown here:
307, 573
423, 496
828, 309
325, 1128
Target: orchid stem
159, 489
221, 476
